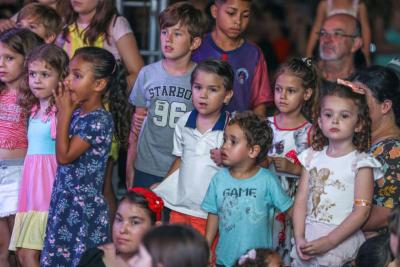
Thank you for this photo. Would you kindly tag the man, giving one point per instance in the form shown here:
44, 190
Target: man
339, 40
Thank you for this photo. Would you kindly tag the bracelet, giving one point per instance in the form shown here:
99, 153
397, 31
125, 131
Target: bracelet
362, 203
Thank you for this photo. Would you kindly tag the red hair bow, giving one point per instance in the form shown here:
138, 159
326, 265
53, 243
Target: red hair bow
156, 204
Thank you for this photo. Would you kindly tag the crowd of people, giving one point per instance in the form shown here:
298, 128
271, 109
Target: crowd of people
226, 165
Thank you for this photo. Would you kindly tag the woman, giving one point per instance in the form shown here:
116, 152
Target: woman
139, 210
381, 87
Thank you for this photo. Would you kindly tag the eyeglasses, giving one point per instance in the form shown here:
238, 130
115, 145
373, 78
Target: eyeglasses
334, 35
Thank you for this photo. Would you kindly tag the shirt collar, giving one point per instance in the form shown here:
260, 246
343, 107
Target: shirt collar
219, 125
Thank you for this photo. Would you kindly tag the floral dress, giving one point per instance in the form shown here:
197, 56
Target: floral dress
387, 189
78, 215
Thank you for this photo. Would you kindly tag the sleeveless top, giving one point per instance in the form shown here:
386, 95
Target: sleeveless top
12, 122
352, 11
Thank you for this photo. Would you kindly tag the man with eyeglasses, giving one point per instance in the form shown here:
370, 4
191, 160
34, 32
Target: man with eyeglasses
339, 40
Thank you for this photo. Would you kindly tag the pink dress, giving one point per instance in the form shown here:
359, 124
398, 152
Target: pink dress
37, 182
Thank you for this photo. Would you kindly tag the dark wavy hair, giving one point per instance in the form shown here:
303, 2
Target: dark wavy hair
21, 41
361, 139
383, 84
176, 245
218, 67
115, 94
56, 59
304, 69
256, 130
141, 201
106, 14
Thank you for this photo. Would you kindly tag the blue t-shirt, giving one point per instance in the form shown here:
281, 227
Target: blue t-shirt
244, 208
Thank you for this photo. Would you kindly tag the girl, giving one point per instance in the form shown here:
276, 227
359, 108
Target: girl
355, 8
78, 215
46, 66
172, 246
97, 23
241, 198
295, 90
15, 44
335, 190
261, 257
139, 211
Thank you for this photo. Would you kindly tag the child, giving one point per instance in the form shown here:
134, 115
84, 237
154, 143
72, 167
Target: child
47, 66
78, 215
355, 8
42, 20
15, 44
251, 85
334, 196
260, 257
295, 91
172, 246
163, 91
97, 23
138, 212
196, 134
241, 198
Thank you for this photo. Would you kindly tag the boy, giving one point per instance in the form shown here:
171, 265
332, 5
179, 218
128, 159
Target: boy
42, 20
196, 134
251, 85
162, 91
241, 198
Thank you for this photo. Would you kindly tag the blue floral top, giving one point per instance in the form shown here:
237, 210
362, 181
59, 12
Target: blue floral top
78, 215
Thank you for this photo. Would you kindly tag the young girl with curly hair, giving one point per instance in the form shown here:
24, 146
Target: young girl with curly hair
46, 66
334, 196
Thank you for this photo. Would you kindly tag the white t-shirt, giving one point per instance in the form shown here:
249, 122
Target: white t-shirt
184, 191
331, 183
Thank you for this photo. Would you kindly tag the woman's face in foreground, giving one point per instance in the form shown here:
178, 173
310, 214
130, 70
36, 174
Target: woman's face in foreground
130, 224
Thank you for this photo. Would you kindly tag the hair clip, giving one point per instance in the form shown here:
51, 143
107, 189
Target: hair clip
251, 254
354, 87
362, 203
307, 61
156, 204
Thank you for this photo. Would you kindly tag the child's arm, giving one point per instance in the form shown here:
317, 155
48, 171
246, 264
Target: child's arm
67, 149
129, 52
174, 166
136, 125
363, 190
211, 228
284, 165
365, 31
378, 218
319, 18
299, 213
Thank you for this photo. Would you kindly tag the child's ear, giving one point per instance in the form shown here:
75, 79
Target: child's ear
214, 11
386, 106
254, 151
100, 84
307, 94
196, 42
228, 97
50, 38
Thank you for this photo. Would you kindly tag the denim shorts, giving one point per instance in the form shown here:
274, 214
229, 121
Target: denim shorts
10, 177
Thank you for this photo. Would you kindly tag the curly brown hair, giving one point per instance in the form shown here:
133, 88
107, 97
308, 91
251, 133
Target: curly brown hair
256, 130
56, 59
362, 138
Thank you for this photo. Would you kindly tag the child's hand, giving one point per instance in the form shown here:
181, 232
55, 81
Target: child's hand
317, 246
215, 155
62, 97
151, 187
282, 164
300, 242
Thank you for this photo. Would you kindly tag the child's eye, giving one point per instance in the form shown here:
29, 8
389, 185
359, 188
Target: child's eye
328, 115
197, 87
118, 219
32, 74
246, 15
32, 27
45, 75
345, 116
163, 32
213, 89
230, 13
9, 58
291, 91
177, 34
278, 89
135, 222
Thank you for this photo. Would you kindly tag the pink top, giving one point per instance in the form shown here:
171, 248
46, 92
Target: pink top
12, 122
